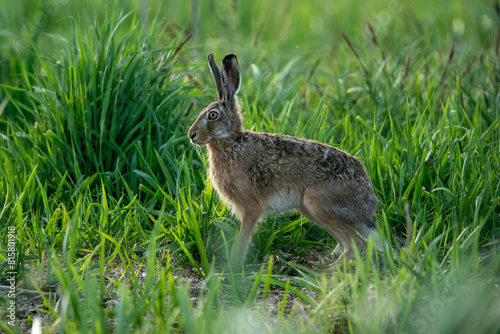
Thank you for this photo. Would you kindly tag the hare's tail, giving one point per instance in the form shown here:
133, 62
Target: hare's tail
367, 229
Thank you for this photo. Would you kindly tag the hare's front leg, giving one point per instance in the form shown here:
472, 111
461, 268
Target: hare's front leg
248, 222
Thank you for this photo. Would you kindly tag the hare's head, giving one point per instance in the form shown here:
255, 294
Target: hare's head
221, 119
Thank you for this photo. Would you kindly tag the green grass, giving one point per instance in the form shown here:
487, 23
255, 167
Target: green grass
118, 230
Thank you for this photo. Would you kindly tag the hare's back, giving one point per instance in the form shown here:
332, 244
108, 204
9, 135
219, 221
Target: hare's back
298, 160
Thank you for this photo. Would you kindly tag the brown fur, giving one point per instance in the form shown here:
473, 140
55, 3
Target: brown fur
259, 172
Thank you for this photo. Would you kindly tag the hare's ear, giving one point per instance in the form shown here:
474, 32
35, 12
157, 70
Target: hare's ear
231, 77
216, 74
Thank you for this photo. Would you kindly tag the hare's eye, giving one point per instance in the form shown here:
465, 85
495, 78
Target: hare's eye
213, 115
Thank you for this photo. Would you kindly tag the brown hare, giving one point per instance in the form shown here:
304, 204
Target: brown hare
255, 173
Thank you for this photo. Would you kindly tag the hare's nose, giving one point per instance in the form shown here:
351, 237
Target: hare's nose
192, 136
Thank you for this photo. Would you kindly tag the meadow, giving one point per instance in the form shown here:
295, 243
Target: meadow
109, 224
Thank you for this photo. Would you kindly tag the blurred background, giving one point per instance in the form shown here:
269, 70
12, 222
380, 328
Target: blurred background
303, 35
282, 26
280, 33
256, 29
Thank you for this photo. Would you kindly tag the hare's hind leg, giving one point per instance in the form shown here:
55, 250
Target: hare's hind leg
317, 210
248, 221
339, 249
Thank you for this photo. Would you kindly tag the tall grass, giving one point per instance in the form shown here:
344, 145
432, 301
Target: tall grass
109, 103
118, 229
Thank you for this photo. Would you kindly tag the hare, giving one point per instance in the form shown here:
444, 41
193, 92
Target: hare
255, 173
